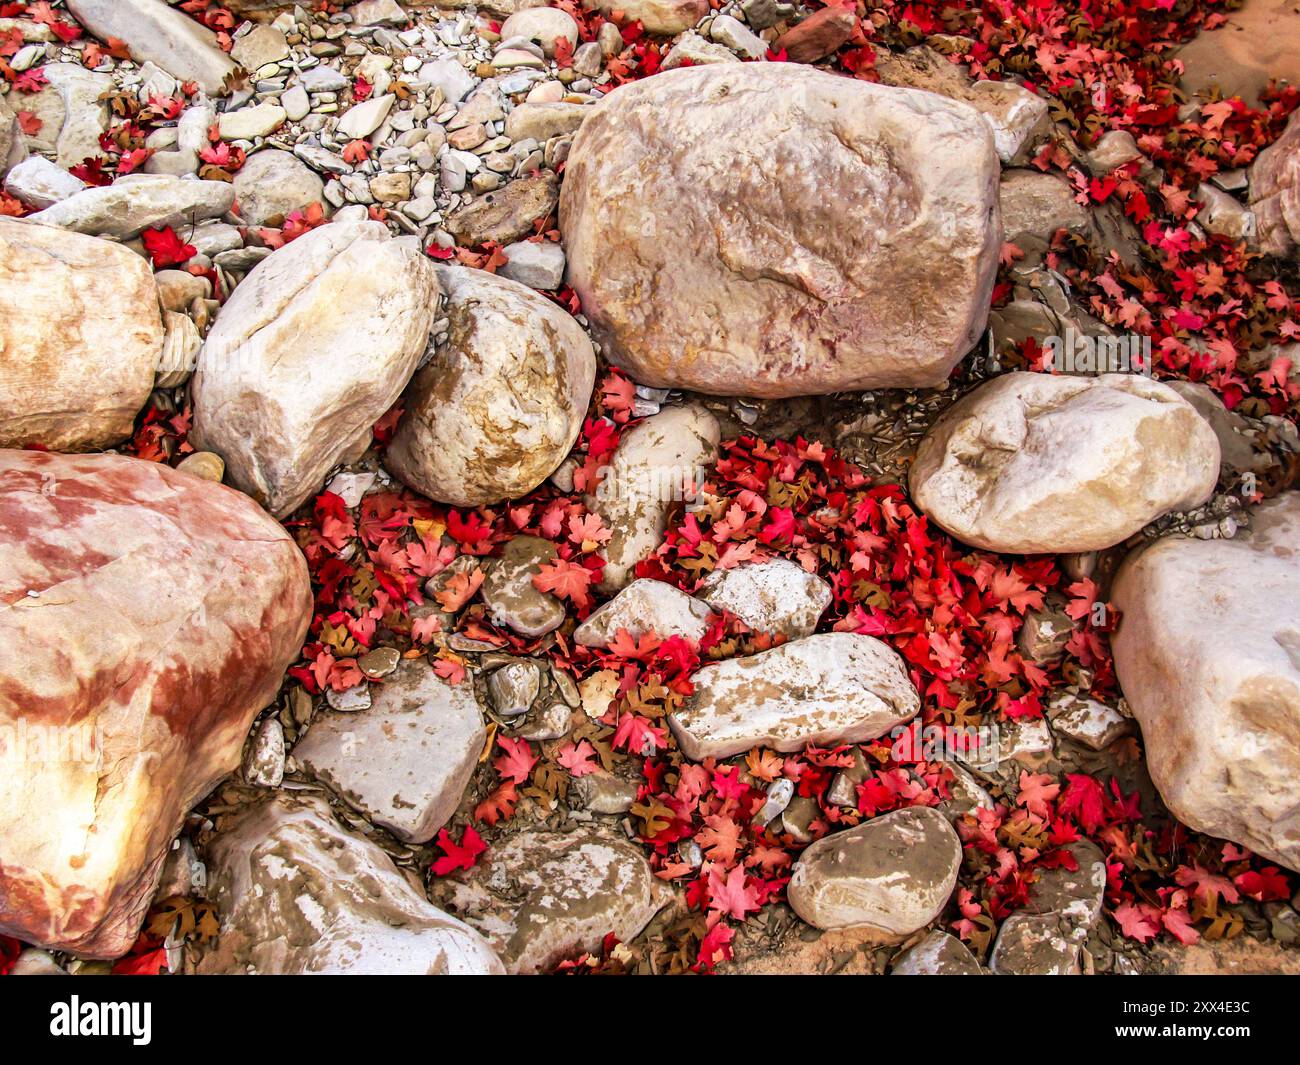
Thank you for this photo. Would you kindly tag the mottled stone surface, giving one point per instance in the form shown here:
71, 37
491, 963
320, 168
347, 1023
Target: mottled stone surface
1033, 463
298, 894
156, 614
158, 33
645, 606
405, 761
541, 897
892, 874
938, 954
665, 17
652, 467
1208, 656
138, 202
501, 403
80, 338
511, 597
777, 597
767, 229
274, 183
312, 348
1275, 193
831, 688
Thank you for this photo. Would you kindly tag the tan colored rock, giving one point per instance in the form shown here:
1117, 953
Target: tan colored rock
501, 403
938, 954
831, 688
646, 606
80, 338
156, 614
204, 465
893, 874
541, 122
544, 25
665, 17
1033, 463
71, 114
138, 202
312, 348
507, 214
13, 143
654, 465
777, 597
541, 897
510, 595
1275, 193
274, 183
298, 894
852, 230
1038, 205
405, 762
1208, 656
163, 35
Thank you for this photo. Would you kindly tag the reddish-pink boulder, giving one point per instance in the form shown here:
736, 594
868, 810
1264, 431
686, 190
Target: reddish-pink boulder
146, 616
818, 35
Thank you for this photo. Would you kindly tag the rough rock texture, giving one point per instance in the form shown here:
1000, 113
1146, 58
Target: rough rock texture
541, 897
652, 465
138, 202
1031, 944
645, 606
1208, 656
72, 116
274, 183
938, 954
831, 688
157, 33
298, 894
774, 597
80, 338
665, 17
506, 215
510, 595
820, 34
406, 761
39, 184
155, 614
1037, 205
1259, 42
767, 229
500, 404
13, 144
892, 874
1032, 463
1275, 193
312, 348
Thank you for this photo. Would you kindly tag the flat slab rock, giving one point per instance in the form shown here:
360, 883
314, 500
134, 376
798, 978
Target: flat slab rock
1208, 656
156, 614
777, 597
541, 897
770, 230
646, 606
830, 688
1032, 463
299, 894
893, 874
406, 761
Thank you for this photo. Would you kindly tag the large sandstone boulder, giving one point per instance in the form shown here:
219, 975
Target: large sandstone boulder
405, 761
125, 209
892, 875
837, 687
654, 466
150, 615
501, 403
542, 897
1208, 656
1275, 193
312, 348
159, 34
772, 230
80, 338
1032, 463
298, 894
